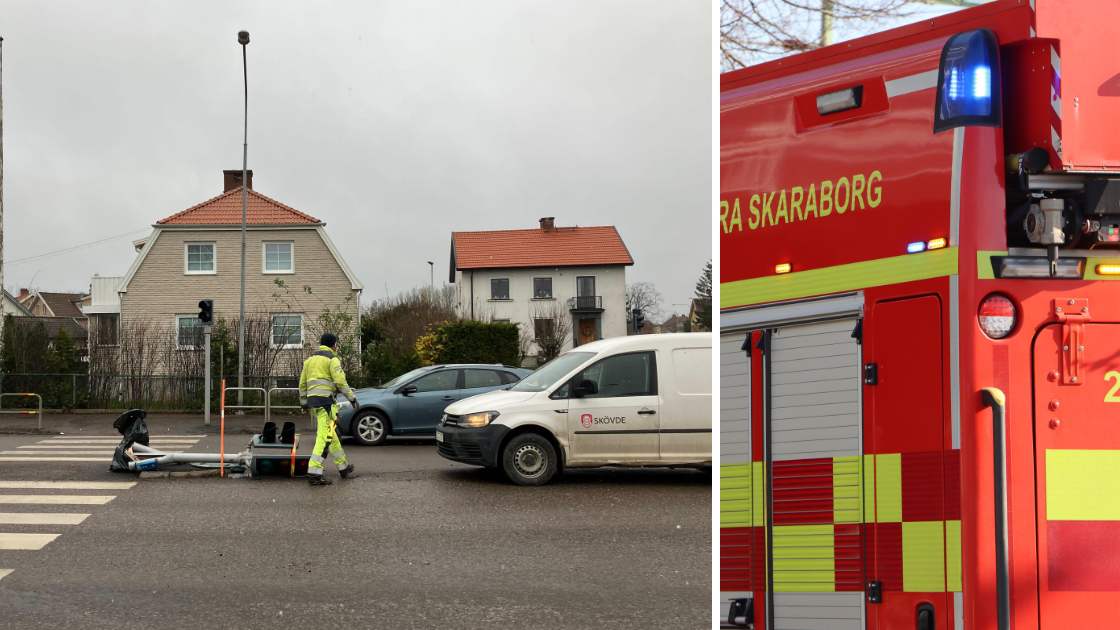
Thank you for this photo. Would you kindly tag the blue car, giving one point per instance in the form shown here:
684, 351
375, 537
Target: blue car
413, 403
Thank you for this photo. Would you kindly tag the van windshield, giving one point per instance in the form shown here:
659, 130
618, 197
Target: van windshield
551, 372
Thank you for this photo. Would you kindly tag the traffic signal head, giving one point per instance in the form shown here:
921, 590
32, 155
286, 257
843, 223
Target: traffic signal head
639, 319
206, 311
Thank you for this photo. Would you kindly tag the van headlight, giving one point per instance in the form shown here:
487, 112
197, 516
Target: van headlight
476, 420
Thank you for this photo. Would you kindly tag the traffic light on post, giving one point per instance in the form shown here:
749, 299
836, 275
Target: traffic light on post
639, 319
206, 312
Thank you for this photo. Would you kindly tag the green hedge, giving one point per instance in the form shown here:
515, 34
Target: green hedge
470, 342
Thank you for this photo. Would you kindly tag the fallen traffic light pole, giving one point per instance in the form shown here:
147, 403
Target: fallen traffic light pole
265, 456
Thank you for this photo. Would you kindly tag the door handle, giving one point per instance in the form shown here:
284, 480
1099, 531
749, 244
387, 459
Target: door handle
646, 412
448, 398
560, 410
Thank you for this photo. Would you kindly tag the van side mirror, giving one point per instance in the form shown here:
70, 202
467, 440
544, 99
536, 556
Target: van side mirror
586, 387
410, 389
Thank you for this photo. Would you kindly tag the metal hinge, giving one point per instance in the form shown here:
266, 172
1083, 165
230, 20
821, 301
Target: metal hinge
871, 374
1073, 315
875, 592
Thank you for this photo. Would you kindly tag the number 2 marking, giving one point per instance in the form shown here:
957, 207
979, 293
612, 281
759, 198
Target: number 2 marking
1111, 395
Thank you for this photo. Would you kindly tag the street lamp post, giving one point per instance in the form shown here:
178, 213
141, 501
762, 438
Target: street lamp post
243, 39
432, 269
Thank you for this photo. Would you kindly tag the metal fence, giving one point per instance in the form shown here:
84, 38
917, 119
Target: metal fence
163, 392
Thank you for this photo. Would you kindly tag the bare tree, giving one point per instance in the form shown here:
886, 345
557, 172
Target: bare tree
552, 329
645, 296
752, 31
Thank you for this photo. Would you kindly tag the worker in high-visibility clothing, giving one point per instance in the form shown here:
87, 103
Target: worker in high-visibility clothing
321, 380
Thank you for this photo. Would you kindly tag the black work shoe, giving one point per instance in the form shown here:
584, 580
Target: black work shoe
348, 473
318, 480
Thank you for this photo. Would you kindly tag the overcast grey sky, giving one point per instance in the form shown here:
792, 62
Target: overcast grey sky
395, 122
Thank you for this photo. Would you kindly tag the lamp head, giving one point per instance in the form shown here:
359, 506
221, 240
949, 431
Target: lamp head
243, 37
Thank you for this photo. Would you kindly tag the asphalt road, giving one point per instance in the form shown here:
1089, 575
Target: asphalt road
415, 542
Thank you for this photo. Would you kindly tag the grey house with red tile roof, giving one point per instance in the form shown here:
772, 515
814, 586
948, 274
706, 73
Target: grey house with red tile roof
528, 276
196, 254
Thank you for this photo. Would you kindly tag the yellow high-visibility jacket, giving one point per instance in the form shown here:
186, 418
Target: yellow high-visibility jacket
321, 379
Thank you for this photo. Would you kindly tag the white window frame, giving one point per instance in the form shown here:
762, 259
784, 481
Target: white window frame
193, 316
551, 290
264, 258
186, 266
272, 331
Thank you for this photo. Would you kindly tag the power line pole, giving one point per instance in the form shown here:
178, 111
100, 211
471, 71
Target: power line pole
828, 32
243, 39
1, 190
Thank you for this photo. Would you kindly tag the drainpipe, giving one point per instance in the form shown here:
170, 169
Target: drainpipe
472, 293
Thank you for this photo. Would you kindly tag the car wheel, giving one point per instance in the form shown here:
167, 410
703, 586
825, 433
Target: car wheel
370, 428
529, 460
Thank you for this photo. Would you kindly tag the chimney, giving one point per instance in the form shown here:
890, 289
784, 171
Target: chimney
232, 179
22, 294
547, 223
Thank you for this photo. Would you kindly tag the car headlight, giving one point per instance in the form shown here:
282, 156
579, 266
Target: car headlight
476, 420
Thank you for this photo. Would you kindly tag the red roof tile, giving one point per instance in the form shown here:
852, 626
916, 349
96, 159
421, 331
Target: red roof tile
225, 209
555, 247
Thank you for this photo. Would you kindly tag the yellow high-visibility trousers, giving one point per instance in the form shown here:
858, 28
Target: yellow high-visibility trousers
326, 441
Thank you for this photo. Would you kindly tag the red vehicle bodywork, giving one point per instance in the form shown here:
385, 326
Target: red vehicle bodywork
919, 311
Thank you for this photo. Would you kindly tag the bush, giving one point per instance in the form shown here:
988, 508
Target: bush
470, 342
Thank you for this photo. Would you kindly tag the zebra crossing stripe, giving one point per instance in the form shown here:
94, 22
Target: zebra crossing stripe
41, 518
56, 453
110, 437
25, 542
53, 459
113, 442
5, 572
56, 499
62, 450
68, 485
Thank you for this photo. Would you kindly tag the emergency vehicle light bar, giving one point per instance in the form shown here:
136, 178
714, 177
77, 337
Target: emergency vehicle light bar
968, 82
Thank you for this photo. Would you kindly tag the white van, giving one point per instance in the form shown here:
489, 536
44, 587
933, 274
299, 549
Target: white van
629, 401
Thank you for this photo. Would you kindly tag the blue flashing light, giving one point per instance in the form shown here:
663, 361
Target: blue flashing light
981, 82
968, 78
914, 248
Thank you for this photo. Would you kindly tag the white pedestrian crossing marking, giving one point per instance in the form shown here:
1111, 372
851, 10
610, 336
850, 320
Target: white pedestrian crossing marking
28, 542
6, 458
56, 499
69, 447
41, 518
110, 437
115, 442
68, 485
5, 572
56, 453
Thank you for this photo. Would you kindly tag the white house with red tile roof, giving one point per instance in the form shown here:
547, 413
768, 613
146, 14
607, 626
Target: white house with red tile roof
530, 276
196, 254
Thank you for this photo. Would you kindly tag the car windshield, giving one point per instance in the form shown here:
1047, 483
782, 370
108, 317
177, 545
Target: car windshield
404, 378
551, 372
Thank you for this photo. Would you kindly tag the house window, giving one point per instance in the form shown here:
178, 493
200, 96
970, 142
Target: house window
287, 331
188, 332
108, 329
278, 258
501, 321
499, 289
544, 328
585, 286
542, 288
200, 258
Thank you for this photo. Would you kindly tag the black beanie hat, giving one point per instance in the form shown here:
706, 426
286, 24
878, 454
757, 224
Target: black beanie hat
328, 340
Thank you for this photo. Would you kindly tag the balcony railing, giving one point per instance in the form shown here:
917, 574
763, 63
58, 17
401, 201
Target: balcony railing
586, 303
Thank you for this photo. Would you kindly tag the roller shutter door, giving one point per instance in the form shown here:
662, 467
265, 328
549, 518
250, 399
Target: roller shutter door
737, 476
815, 438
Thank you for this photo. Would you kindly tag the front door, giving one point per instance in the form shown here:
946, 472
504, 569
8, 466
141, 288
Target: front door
1077, 463
586, 330
422, 409
620, 420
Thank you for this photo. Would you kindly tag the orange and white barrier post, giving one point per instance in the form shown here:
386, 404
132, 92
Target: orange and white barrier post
222, 449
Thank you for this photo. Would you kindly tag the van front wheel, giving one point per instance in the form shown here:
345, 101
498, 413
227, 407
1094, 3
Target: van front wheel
529, 460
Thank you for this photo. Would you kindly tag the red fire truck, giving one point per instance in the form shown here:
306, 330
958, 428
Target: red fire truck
920, 327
